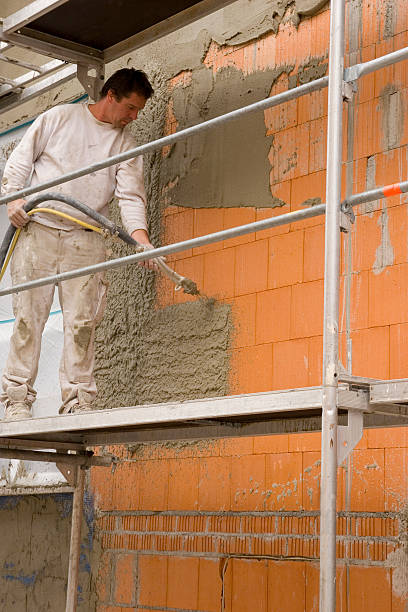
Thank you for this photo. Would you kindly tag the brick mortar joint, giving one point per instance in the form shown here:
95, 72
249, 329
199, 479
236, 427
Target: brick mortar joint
266, 536
250, 556
284, 514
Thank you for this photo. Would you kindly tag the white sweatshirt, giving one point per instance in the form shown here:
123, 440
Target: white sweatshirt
67, 138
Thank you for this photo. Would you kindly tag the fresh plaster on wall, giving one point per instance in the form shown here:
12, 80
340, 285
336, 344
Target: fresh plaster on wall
148, 355
228, 166
144, 355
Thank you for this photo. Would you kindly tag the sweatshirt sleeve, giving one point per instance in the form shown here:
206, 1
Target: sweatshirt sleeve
131, 194
19, 165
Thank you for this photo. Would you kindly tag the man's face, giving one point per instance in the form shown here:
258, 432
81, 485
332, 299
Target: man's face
122, 111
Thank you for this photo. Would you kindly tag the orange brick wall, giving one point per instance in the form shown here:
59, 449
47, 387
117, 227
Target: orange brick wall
233, 525
181, 524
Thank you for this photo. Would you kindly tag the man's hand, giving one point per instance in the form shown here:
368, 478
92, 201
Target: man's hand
17, 215
142, 238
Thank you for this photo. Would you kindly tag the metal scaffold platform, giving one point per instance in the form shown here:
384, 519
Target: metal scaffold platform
378, 403
340, 407
82, 37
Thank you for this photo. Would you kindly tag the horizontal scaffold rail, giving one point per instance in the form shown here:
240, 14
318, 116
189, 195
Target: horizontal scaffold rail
241, 230
358, 70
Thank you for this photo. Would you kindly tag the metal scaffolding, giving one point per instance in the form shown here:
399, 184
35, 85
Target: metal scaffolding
345, 402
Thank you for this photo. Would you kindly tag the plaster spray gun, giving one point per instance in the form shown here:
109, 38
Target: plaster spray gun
105, 227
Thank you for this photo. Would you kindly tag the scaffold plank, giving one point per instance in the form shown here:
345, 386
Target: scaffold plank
389, 391
225, 416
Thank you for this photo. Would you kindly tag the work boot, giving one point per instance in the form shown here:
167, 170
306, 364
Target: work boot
84, 404
17, 406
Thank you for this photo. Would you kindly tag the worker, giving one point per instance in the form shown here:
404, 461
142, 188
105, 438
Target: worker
63, 139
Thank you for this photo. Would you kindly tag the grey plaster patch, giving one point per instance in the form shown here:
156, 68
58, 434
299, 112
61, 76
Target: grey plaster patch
179, 353
227, 166
185, 353
392, 107
370, 207
34, 555
384, 255
354, 20
390, 18
309, 7
315, 68
312, 202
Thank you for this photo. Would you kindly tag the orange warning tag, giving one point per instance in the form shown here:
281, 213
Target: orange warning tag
391, 190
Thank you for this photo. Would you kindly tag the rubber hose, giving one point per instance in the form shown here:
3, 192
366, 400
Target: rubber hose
42, 197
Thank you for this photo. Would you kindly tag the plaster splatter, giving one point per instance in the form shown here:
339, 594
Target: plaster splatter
398, 559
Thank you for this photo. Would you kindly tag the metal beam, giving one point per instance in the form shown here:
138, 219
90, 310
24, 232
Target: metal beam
32, 11
209, 238
69, 472
64, 75
70, 459
20, 63
386, 191
24, 444
23, 80
13, 84
36, 490
55, 47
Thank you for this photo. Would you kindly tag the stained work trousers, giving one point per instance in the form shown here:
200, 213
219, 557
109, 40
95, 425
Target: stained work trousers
43, 251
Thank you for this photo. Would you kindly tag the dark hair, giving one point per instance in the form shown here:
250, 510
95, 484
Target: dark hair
125, 81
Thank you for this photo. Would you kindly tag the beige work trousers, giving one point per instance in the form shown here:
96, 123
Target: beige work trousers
44, 251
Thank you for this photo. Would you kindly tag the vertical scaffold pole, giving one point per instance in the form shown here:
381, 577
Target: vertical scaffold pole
331, 312
75, 544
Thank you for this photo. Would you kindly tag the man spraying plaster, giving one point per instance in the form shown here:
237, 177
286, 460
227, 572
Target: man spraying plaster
63, 139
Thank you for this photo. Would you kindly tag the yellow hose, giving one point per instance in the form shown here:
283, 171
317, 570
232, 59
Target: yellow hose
52, 212
10, 252
181, 282
65, 216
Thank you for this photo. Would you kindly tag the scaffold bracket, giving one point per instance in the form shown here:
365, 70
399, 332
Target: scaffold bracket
69, 472
91, 84
348, 436
348, 90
